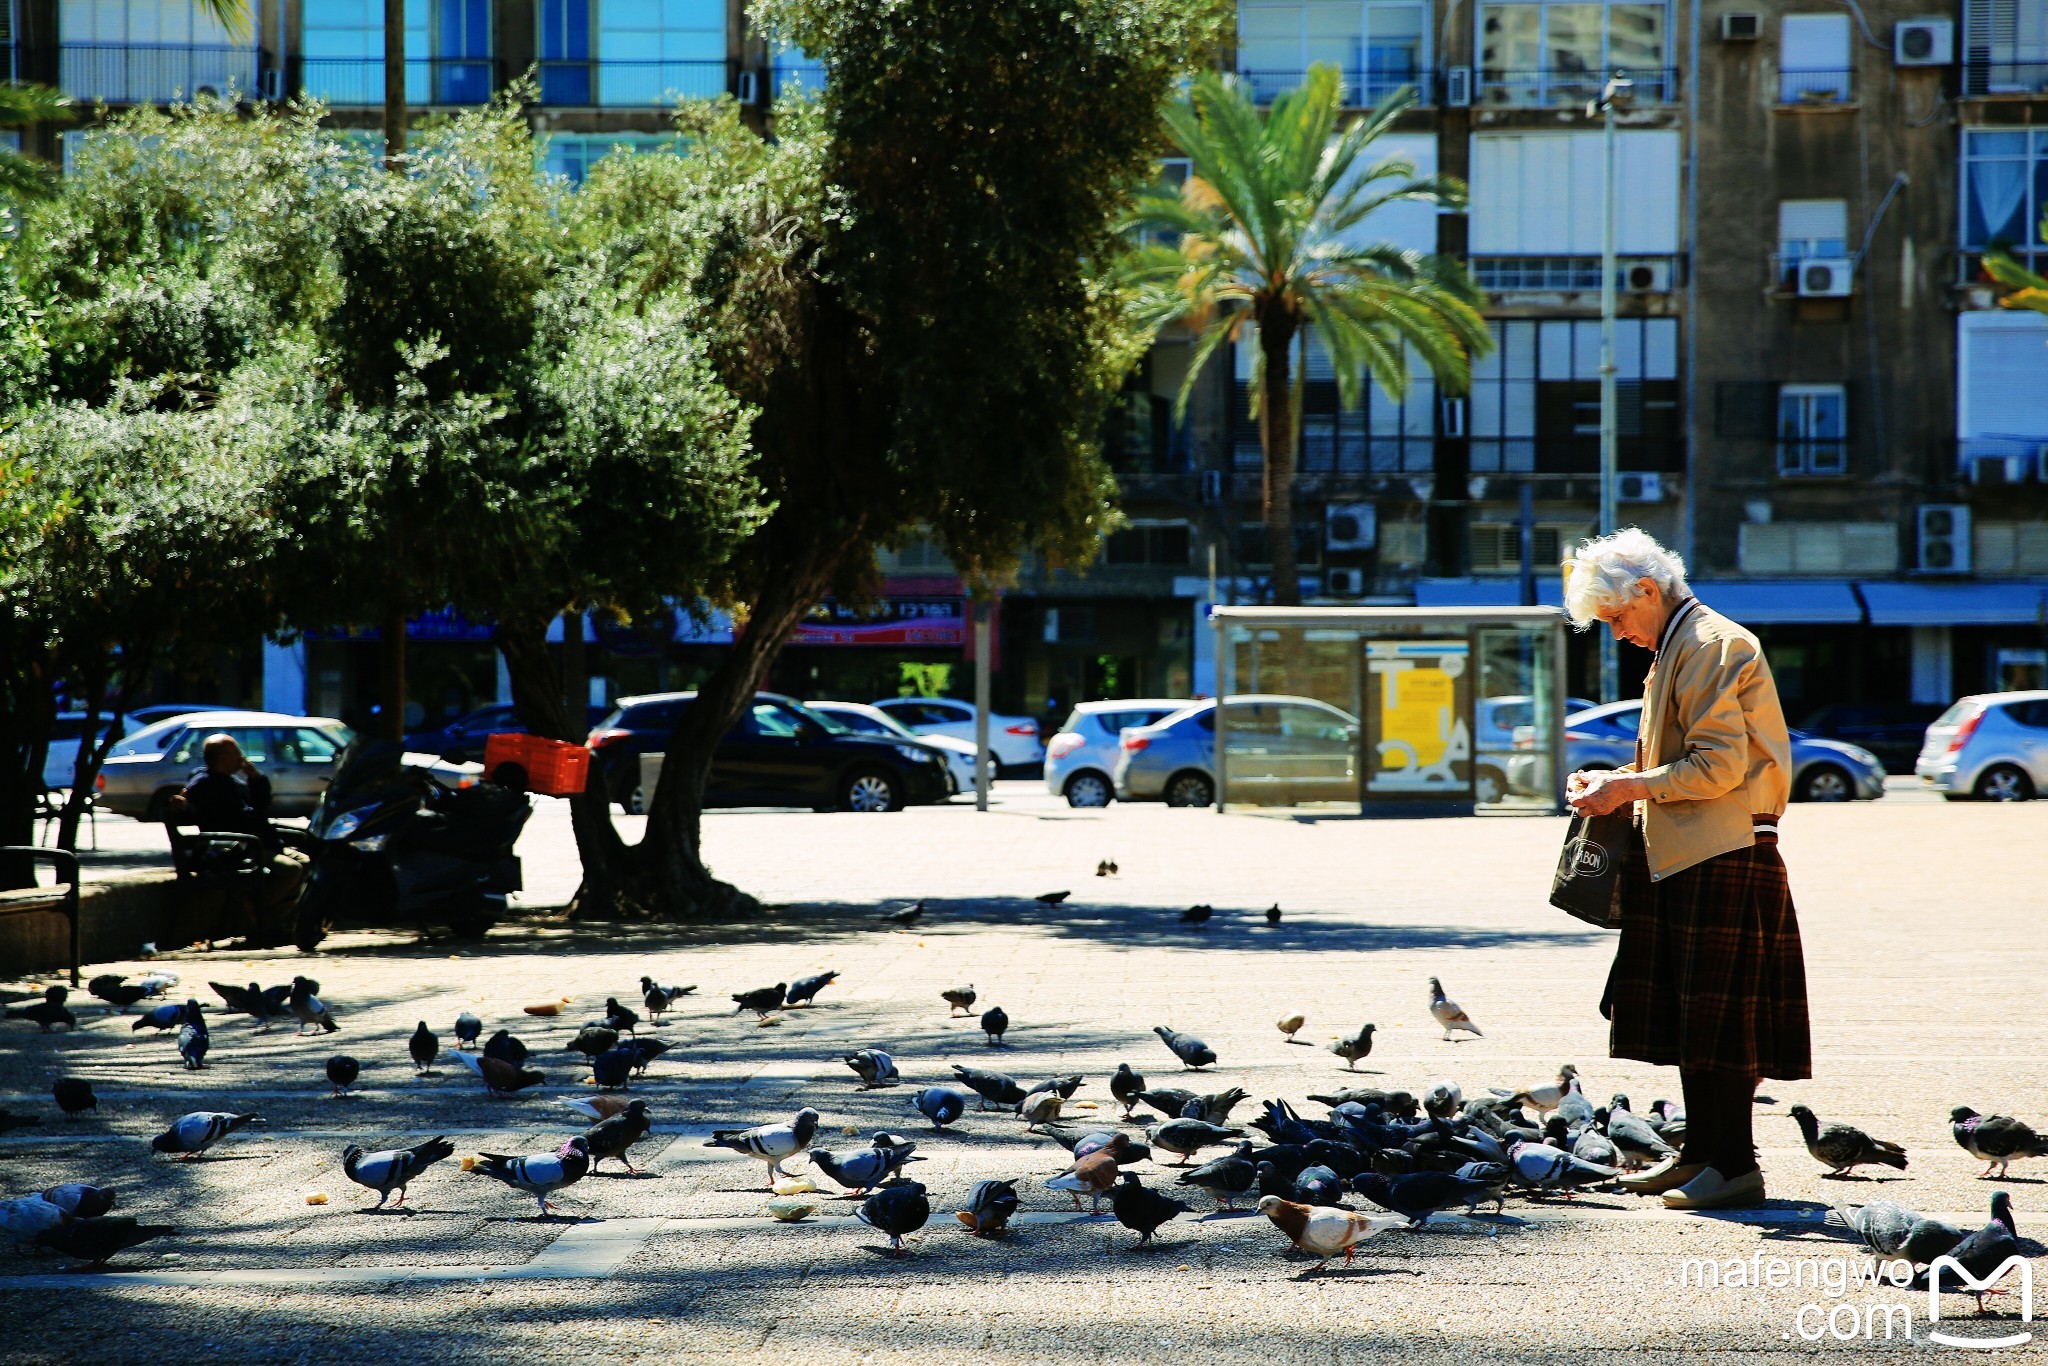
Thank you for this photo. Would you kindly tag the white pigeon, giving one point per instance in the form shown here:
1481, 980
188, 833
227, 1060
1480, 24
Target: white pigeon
1542, 1167
28, 1216
1443, 1100
1544, 1099
1447, 1012
156, 983
770, 1143
1324, 1230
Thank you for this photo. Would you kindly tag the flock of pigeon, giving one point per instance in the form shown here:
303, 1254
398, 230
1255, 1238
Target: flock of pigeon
1409, 1156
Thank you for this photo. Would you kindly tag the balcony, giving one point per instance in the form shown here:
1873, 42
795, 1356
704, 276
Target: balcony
795, 74
147, 73
1991, 72
1566, 87
632, 84
1361, 88
1814, 87
359, 81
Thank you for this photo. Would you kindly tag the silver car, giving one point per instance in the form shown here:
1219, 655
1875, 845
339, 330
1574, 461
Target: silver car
1284, 750
1990, 747
296, 753
1081, 757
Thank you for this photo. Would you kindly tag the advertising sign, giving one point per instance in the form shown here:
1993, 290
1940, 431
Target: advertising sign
1418, 718
889, 621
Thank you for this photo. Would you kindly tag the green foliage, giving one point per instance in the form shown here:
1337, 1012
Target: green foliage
26, 177
2023, 288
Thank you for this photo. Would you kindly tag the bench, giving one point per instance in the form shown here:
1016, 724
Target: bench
65, 864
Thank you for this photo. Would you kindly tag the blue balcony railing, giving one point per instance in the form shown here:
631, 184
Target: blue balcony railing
631, 84
1564, 87
359, 81
1813, 87
1985, 72
153, 73
1361, 88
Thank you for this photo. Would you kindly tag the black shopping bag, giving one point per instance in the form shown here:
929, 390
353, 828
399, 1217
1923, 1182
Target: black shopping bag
1588, 881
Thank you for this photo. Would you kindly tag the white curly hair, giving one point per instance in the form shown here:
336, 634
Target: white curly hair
1606, 572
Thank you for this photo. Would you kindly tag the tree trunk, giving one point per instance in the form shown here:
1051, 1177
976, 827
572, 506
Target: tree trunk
391, 678
92, 746
575, 669
26, 727
394, 84
1277, 438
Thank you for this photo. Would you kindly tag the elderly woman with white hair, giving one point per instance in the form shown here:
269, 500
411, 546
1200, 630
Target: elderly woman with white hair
1709, 975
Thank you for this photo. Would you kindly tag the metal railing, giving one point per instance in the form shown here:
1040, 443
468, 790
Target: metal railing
795, 74
153, 73
1814, 87
359, 81
605, 83
1986, 73
1361, 87
1572, 455
1564, 87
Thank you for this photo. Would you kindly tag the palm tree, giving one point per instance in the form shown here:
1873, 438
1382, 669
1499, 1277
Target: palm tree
27, 177
2024, 289
1268, 227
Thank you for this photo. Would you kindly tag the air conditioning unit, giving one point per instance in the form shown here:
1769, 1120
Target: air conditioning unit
1344, 583
1350, 526
270, 85
1212, 486
1923, 42
1826, 277
1458, 87
1741, 27
1647, 277
749, 91
1944, 538
1998, 469
1638, 486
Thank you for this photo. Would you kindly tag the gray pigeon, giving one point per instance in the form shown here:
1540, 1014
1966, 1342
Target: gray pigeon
770, 1143
1354, 1048
388, 1171
995, 1022
467, 1028
542, 1175
1882, 1225
940, 1104
424, 1046
1190, 1136
191, 1135
1191, 1051
1226, 1178
308, 1008
874, 1068
1541, 1167
804, 990
1990, 1247
81, 1201
999, 1087
1127, 1086
861, 1171
1638, 1143
1843, 1147
613, 1135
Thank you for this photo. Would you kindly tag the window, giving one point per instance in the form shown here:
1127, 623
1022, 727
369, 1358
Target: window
1157, 543
1813, 59
1534, 407
1544, 194
2005, 46
316, 746
772, 721
2005, 188
1379, 45
565, 52
148, 51
191, 748
1812, 429
447, 47
571, 155
1382, 435
2001, 373
1534, 54
650, 52
1313, 723
1808, 228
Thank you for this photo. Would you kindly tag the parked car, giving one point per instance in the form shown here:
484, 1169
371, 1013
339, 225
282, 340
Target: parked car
165, 711
1081, 756
296, 753
1012, 739
463, 738
1500, 727
1990, 747
779, 753
67, 735
862, 719
1605, 737
1893, 731
1284, 750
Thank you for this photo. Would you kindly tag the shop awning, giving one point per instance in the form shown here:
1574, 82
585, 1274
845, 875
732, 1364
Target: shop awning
1488, 592
1783, 602
2020, 603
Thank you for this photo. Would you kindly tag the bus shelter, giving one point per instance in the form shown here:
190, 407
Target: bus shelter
1390, 710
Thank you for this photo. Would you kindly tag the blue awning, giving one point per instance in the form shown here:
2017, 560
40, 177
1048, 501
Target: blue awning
1783, 602
1488, 592
2019, 603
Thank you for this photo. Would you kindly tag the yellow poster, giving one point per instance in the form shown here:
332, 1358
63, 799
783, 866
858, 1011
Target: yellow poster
1419, 739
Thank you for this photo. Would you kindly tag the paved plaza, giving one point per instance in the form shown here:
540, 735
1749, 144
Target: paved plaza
1926, 962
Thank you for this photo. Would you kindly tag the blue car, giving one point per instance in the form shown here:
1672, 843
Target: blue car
1284, 751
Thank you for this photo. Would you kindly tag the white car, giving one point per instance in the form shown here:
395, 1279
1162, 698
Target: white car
60, 762
1012, 739
862, 719
1991, 747
1081, 757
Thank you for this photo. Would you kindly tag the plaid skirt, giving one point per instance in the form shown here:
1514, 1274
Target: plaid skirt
1709, 974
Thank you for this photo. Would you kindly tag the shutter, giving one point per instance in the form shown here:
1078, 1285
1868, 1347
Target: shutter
1996, 550
1646, 164
1802, 220
1870, 548
2004, 364
1814, 42
1764, 548
1495, 196
1746, 409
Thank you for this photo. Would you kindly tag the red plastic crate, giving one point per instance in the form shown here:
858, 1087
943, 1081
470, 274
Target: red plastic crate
554, 768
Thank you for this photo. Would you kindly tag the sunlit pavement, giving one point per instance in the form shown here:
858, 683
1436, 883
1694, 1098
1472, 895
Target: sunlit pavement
1926, 960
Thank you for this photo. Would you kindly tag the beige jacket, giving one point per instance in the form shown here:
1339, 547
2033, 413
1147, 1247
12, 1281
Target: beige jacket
1713, 746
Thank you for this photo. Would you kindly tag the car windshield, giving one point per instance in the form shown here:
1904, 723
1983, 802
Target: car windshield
1954, 715
830, 724
869, 723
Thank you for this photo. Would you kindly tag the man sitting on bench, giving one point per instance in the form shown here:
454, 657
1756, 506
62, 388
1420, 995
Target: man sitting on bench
229, 794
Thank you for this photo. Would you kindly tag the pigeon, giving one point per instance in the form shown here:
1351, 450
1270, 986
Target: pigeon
1928, 1239
1447, 1012
74, 1095
506, 1047
1289, 1023
861, 1171
308, 1008
1423, 1193
501, 1078
660, 999
1066, 1086
342, 1070
1638, 1143
1442, 1100
193, 1134
940, 1104
989, 1207
995, 1022
1590, 1144
261, 1004
1493, 1176
1989, 1248
908, 916
619, 1018
392, 1169
116, 991
1352, 1049
1575, 1110
1317, 1186
1051, 898
1197, 915
1842, 1147
771, 1143
156, 982
592, 1040
1325, 1232
645, 1051
1170, 1101
1041, 1109
961, 999
542, 1175
467, 1028
1995, 1140
1542, 1167
424, 1046
1398, 1104
1669, 1119
999, 1087
159, 1018
29, 1217
1190, 1136
1225, 1177
874, 1068
93, 1241
761, 1000
896, 1211
613, 1068
1127, 1086
596, 1107
1081, 1142
804, 990
1141, 1209
612, 1136
1191, 1051
1881, 1225
193, 1038
1273, 914
1217, 1105
81, 1201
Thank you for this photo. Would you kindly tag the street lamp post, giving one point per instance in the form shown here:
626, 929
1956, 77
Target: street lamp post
1617, 95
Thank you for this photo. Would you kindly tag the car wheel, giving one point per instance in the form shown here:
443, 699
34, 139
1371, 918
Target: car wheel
1489, 786
159, 808
1089, 788
1826, 783
2004, 783
1190, 789
870, 789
